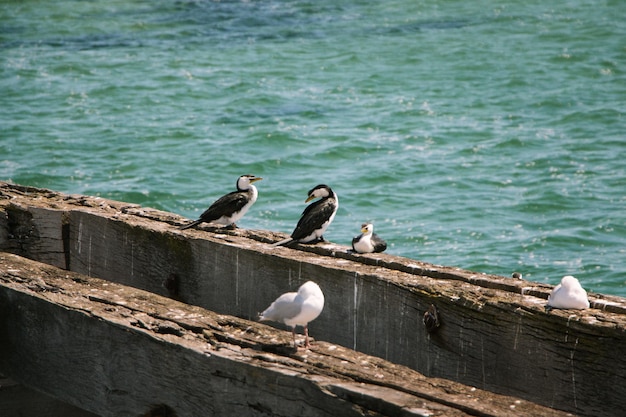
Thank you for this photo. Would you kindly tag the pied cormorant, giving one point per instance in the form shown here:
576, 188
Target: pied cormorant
316, 217
231, 207
368, 241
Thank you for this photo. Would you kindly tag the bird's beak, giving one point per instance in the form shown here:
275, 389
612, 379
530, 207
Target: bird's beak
255, 179
363, 230
311, 197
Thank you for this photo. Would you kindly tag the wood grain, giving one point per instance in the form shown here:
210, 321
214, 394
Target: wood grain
117, 351
495, 333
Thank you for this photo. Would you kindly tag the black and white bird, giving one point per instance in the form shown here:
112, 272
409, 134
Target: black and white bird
297, 309
316, 217
231, 207
368, 241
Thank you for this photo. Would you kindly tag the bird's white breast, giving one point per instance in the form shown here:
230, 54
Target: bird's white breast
312, 300
364, 245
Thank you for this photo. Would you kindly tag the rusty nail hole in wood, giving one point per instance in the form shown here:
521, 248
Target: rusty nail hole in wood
431, 319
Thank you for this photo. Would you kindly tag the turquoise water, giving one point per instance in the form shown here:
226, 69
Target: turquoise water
486, 135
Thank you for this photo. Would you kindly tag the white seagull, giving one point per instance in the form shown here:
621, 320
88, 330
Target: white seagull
568, 294
297, 309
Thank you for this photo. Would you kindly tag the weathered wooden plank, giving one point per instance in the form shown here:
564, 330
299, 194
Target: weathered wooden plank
117, 351
36, 232
490, 338
495, 334
17, 400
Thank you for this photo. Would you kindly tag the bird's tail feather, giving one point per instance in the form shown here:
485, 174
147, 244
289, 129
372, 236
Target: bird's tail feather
192, 224
283, 242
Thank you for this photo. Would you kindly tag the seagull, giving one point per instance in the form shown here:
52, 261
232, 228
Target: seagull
368, 241
316, 217
516, 275
297, 309
568, 294
231, 207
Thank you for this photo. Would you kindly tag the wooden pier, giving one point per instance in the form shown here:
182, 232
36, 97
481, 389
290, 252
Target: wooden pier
106, 306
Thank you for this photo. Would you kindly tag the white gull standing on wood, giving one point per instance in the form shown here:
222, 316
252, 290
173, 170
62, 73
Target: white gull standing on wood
297, 309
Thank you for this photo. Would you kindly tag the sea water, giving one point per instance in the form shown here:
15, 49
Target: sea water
488, 135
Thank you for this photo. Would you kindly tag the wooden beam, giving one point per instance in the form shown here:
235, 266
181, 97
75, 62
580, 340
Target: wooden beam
18, 400
118, 351
495, 332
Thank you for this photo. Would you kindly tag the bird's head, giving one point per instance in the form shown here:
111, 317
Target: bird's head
319, 191
367, 228
243, 182
569, 281
310, 288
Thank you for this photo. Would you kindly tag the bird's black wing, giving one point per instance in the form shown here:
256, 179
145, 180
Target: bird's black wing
379, 244
313, 217
225, 206
356, 239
